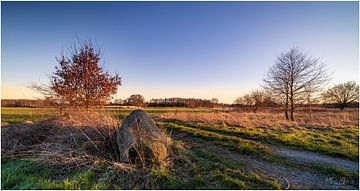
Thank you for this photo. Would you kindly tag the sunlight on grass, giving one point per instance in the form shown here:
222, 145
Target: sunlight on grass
26, 174
344, 145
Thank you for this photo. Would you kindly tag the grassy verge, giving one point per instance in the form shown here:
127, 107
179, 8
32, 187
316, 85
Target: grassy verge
242, 146
341, 142
26, 174
193, 168
237, 144
198, 168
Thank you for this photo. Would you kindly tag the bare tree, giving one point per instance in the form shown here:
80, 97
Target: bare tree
49, 95
80, 80
293, 76
256, 98
244, 100
342, 94
136, 100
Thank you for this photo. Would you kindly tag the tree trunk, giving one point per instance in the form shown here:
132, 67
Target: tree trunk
342, 106
310, 111
287, 107
292, 106
309, 107
292, 111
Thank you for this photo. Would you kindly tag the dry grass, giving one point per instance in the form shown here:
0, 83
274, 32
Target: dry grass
76, 140
318, 119
79, 139
86, 140
332, 132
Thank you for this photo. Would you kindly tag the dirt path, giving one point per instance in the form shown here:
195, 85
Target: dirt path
297, 178
308, 157
315, 158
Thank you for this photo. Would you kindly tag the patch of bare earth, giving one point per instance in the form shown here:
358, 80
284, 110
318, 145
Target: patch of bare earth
315, 158
290, 178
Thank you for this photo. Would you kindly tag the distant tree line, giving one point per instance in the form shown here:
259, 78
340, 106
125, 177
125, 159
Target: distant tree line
182, 102
26, 103
342, 95
256, 99
136, 100
139, 101
338, 96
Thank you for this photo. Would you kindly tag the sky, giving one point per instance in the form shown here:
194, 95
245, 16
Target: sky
177, 49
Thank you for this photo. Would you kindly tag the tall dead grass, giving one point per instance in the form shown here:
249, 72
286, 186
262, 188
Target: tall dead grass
317, 119
72, 141
79, 139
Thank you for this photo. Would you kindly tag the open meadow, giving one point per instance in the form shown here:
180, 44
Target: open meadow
212, 149
183, 95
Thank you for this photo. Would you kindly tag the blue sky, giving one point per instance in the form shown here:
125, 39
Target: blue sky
177, 49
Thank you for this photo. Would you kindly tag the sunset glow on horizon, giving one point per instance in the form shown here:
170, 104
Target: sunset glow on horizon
177, 49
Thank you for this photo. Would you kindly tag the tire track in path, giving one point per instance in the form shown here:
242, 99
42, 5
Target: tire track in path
297, 178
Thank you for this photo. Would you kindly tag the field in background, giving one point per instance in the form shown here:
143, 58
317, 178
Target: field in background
21, 114
221, 150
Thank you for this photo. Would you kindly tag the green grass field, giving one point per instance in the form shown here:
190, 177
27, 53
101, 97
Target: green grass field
19, 115
206, 156
336, 142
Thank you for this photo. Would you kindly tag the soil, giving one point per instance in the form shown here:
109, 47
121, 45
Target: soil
311, 157
288, 177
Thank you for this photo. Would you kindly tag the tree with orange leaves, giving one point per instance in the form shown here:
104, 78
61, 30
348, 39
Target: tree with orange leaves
80, 81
